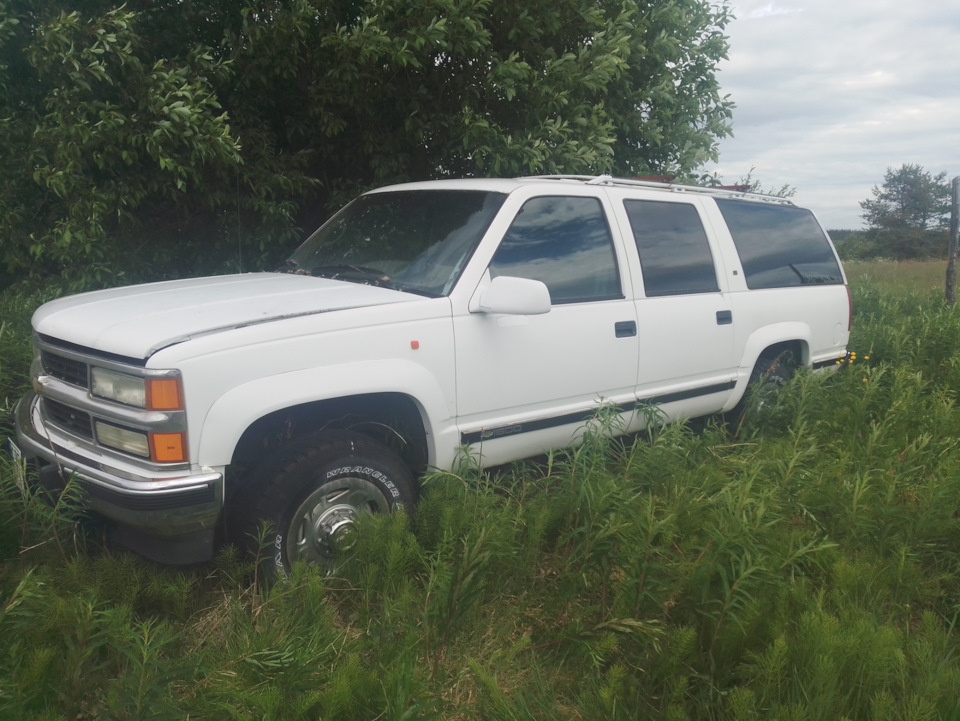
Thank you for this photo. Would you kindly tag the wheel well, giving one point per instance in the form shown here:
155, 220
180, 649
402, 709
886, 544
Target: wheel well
791, 352
391, 418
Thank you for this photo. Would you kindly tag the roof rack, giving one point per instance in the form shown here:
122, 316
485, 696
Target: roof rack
724, 191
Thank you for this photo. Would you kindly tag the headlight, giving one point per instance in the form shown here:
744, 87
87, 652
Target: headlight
155, 394
119, 387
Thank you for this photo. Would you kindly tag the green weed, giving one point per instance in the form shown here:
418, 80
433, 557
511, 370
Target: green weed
804, 568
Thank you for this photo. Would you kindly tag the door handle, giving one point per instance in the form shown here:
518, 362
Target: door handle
625, 329
724, 317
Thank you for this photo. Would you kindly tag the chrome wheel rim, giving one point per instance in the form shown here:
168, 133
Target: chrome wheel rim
323, 528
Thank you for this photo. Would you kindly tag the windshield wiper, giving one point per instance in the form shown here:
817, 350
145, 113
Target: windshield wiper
353, 274
812, 279
413, 289
290, 266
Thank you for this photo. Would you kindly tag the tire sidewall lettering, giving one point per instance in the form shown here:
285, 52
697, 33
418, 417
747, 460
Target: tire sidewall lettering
372, 474
378, 477
278, 564
281, 483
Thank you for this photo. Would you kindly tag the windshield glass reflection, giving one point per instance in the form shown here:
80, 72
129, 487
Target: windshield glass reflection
416, 241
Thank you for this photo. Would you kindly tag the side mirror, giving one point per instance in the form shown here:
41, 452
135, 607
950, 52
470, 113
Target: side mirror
515, 296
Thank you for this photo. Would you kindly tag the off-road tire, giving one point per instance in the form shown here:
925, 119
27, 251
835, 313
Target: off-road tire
770, 374
309, 494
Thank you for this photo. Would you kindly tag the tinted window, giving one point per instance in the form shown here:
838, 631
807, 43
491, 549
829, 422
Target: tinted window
674, 253
780, 246
564, 242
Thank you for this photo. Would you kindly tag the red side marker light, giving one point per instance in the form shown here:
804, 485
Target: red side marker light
415, 345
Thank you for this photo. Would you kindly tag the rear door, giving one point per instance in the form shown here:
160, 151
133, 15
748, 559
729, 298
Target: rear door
685, 322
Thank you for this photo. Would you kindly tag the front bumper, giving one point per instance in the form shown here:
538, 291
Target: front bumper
168, 516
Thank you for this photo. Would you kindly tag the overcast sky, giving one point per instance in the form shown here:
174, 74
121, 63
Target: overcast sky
831, 93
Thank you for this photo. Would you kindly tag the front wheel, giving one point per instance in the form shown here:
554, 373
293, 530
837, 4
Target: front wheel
311, 494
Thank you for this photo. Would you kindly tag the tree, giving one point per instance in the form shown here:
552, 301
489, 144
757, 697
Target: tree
102, 139
908, 215
173, 125
753, 184
372, 92
910, 199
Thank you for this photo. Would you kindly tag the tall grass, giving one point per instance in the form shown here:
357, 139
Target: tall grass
804, 567
898, 276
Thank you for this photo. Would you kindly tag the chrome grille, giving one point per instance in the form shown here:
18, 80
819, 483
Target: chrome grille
69, 419
68, 370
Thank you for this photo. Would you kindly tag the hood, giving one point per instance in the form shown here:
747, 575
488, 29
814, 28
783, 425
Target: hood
139, 320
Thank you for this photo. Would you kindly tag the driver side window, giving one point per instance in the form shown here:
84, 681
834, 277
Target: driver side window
565, 242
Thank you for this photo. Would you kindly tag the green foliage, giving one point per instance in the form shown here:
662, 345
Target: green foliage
102, 137
378, 92
805, 568
17, 305
118, 154
752, 184
907, 217
911, 198
897, 278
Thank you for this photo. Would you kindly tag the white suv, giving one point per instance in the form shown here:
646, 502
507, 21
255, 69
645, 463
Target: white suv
421, 320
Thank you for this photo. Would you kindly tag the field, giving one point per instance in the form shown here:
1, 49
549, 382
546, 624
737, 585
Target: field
802, 566
898, 277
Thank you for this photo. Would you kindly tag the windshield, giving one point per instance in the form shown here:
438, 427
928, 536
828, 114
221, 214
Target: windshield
411, 240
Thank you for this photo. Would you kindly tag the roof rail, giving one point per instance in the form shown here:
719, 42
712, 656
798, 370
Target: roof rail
729, 191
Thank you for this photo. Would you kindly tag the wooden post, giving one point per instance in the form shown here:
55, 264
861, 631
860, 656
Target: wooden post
954, 242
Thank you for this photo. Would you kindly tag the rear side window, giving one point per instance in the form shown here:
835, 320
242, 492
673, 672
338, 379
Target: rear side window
564, 242
780, 246
674, 252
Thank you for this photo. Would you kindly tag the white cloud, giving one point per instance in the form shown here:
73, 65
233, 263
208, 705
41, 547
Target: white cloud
764, 11
830, 94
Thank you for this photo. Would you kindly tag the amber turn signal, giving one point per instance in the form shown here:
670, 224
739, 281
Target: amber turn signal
167, 447
163, 394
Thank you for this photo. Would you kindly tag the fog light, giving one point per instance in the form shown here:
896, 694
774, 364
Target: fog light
122, 439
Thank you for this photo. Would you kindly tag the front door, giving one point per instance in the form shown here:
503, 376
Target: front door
528, 383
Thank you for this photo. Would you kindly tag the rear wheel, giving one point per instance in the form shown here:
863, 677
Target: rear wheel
311, 494
769, 375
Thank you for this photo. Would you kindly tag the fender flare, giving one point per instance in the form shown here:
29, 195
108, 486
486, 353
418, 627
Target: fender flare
237, 409
758, 342
771, 335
